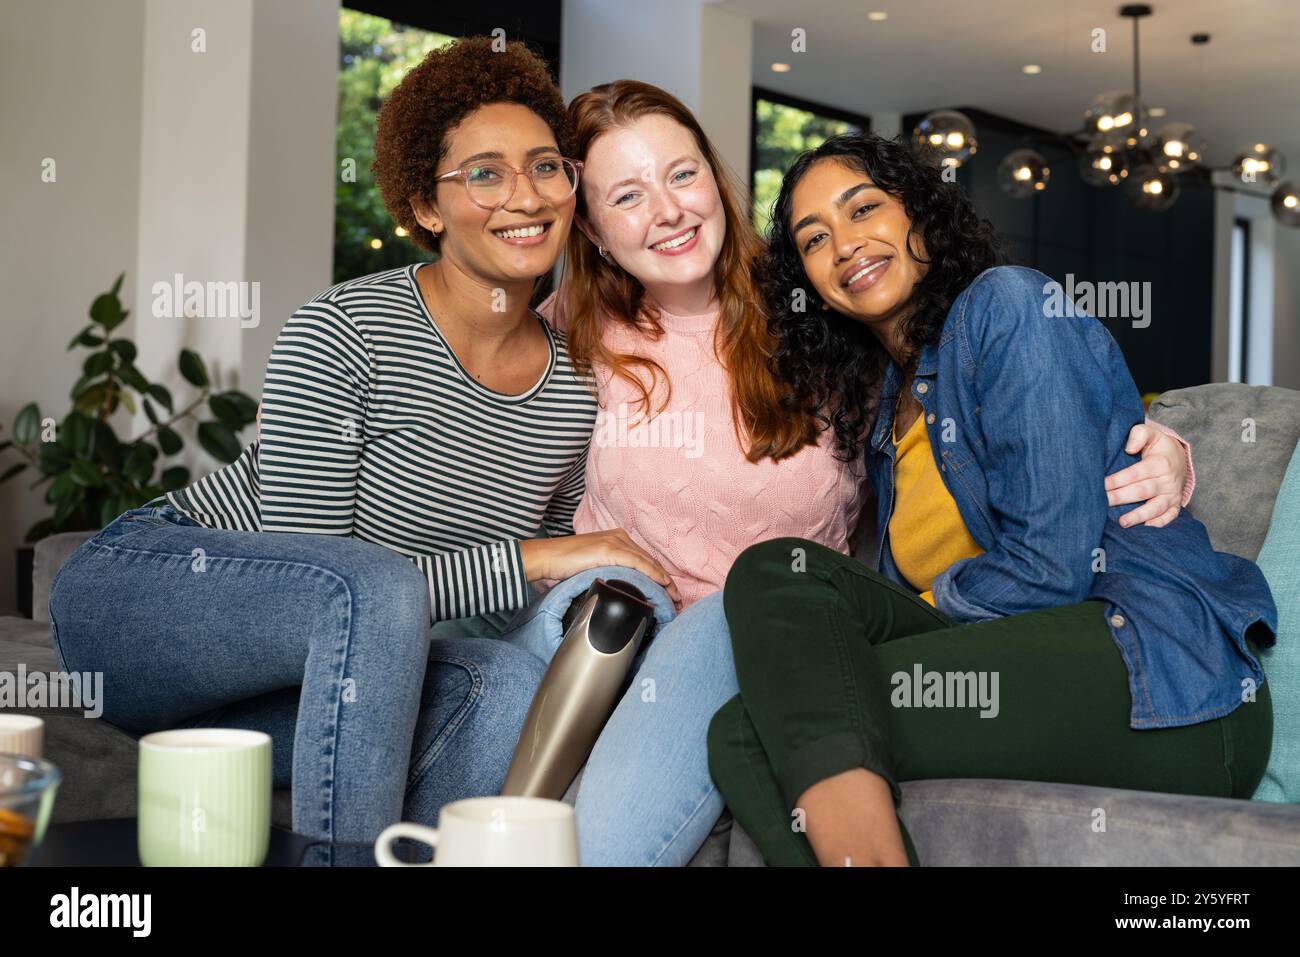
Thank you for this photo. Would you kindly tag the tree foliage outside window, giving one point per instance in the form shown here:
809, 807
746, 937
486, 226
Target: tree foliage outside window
781, 133
374, 55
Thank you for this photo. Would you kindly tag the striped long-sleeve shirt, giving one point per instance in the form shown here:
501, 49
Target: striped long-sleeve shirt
372, 428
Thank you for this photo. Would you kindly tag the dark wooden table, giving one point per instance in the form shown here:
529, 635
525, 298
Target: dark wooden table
112, 843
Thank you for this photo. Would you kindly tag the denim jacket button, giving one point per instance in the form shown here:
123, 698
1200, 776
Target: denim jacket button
923, 387
930, 418
1117, 621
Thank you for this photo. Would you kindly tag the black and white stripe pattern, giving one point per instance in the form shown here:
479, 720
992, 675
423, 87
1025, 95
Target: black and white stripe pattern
372, 428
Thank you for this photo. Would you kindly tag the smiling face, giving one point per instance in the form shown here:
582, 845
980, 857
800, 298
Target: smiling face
853, 240
518, 241
653, 204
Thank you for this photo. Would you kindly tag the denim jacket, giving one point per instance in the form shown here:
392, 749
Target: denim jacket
1027, 413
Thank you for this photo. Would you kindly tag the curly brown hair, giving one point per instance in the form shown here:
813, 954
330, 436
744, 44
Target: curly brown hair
452, 82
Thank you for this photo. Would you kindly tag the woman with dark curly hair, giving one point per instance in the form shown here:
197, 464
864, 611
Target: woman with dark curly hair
421, 427
1021, 625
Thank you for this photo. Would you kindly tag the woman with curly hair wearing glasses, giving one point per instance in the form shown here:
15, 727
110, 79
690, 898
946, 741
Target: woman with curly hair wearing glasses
421, 427
1018, 624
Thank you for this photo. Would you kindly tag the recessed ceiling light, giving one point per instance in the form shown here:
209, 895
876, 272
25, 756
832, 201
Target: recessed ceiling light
877, 15
1157, 111
1031, 68
780, 68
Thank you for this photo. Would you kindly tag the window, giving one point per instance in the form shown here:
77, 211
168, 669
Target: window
1239, 304
784, 127
374, 55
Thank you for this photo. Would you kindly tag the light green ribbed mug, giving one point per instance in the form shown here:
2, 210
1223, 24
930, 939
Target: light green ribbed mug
205, 798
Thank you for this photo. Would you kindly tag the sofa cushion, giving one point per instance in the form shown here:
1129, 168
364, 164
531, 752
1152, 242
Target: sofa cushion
51, 552
1279, 559
988, 823
1242, 438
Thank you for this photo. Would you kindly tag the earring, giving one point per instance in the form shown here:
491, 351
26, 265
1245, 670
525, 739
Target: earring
604, 254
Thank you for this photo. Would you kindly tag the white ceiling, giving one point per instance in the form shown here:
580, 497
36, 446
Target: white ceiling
1243, 87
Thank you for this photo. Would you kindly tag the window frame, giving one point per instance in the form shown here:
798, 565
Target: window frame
756, 93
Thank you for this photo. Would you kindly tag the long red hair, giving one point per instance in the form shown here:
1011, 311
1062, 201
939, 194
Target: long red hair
595, 291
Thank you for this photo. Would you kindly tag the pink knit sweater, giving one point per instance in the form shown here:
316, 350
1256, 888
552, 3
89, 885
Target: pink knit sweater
679, 483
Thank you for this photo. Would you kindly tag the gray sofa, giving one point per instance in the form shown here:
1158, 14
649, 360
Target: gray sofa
952, 822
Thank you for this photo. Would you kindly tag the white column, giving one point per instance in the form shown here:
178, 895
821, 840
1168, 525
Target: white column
193, 178
236, 177
886, 124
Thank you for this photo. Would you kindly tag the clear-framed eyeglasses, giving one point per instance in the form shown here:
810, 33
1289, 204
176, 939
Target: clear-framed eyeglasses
491, 183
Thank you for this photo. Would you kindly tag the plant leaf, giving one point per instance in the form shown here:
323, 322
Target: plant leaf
40, 530
60, 488
193, 369
77, 389
86, 337
218, 441
177, 476
52, 458
98, 364
247, 407
108, 510
108, 449
133, 377
106, 311
124, 348
68, 505
90, 400
138, 465
168, 440
150, 413
161, 396
86, 473
28, 424
227, 412
75, 432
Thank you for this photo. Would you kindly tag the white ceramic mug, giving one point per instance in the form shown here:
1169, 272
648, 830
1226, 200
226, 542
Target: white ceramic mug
21, 734
492, 832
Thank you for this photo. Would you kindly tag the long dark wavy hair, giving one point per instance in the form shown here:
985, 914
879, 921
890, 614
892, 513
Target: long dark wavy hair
832, 364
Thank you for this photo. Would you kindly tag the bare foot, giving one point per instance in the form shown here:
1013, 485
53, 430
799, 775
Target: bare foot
851, 821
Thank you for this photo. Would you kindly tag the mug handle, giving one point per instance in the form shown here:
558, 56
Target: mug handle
383, 849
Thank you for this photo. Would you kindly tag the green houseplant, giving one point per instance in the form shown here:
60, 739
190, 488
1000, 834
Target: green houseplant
92, 474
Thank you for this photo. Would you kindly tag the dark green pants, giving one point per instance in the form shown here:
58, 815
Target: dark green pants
840, 668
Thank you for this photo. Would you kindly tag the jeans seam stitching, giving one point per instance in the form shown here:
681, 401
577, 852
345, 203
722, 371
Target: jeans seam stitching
689, 818
333, 731
436, 746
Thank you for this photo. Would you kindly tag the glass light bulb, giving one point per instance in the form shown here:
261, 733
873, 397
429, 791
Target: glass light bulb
944, 136
1022, 173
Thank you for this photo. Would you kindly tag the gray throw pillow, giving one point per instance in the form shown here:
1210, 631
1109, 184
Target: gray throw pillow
1242, 439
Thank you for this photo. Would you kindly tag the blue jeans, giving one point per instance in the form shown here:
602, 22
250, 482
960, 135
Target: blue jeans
322, 642
646, 797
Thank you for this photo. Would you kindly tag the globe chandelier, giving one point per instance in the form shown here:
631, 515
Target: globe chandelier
1116, 147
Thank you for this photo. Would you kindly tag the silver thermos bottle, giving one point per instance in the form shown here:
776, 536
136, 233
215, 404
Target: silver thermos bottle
603, 632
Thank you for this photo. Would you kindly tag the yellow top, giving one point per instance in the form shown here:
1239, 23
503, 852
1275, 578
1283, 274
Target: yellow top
926, 532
